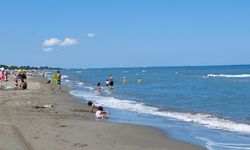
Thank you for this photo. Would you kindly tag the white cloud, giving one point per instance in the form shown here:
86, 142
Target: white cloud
91, 35
51, 42
47, 49
68, 42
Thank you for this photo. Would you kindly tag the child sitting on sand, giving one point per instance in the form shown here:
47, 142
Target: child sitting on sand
23, 85
92, 106
100, 114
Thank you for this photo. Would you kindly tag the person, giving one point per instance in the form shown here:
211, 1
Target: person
111, 81
124, 80
3, 74
23, 85
99, 88
139, 80
100, 113
58, 78
92, 106
107, 82
53, 78
16, 82
21, 74
7, 72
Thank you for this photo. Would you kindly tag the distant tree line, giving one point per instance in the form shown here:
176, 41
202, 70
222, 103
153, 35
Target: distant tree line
30, 68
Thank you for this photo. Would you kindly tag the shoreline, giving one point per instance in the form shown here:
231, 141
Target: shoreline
67, 125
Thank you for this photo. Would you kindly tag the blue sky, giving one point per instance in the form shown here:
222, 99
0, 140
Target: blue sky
128, 33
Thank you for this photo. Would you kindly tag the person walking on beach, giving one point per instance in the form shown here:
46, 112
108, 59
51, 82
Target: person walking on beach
7, 72
99, 88
22, 74
58, 78
53, 78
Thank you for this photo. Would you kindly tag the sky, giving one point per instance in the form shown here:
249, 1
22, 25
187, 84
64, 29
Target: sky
124, 33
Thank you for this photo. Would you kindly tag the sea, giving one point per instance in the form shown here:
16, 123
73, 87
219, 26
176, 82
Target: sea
203, 105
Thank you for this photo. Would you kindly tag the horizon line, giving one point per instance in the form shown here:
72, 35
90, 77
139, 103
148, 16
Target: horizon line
172, 66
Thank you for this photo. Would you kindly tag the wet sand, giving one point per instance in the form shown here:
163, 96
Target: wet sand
25, 124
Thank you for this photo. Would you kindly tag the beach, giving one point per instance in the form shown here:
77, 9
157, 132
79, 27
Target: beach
46, 117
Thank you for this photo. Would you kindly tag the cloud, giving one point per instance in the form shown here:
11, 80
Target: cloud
51, 42
68, 42
47, 49
91, 35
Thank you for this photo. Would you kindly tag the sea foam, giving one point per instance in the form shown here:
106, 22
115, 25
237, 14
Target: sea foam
64, 76
228, 76
212, 145
205, 120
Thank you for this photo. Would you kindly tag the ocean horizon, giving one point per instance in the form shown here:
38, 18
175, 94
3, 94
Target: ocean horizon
163, 66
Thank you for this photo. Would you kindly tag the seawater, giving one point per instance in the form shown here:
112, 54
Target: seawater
208, 106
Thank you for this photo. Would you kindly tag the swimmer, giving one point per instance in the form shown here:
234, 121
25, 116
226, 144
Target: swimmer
99, 88
139, 81
124, 80
111, 81
107, 82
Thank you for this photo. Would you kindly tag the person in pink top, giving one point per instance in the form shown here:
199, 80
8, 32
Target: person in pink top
99, 88
92, 106
3, 74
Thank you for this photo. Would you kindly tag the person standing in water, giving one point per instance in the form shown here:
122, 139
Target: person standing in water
99, 88
124, 80
107, 83
139, 80
111, 81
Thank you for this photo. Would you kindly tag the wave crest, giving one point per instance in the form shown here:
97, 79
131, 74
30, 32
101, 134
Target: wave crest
228, 76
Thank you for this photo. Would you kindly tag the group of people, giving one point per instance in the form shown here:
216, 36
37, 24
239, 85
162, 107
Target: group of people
100, 112
19, 78
124, 80
110, 83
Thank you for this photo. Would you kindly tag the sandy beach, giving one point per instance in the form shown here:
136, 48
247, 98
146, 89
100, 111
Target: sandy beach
46, 118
